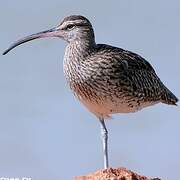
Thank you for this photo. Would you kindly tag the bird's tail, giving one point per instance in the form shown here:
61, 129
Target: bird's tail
168, 97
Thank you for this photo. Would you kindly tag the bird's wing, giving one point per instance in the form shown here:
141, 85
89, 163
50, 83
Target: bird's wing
130, 73
133, 60
133, 73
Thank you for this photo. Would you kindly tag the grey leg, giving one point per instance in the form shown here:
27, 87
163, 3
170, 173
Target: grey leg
104, 136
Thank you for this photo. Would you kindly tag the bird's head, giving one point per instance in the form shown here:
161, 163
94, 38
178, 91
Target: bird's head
72, 28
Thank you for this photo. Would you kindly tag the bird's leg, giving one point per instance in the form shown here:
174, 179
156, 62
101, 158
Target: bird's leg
104, 136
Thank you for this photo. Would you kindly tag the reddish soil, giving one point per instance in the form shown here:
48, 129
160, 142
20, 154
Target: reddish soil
114, 174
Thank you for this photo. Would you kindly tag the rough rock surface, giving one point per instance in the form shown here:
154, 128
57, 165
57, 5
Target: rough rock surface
114, 174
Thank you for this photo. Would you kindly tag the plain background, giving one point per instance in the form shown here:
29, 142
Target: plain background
45, 133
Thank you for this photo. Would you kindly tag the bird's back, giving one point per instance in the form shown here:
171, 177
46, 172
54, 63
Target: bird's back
112, 80
135, 73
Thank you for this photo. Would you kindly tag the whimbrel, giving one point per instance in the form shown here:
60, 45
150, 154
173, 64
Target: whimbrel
104, 78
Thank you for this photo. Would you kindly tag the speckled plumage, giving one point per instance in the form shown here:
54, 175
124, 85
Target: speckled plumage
105, 79
109, 80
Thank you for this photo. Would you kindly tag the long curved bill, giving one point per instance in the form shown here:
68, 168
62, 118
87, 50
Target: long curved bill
48, 33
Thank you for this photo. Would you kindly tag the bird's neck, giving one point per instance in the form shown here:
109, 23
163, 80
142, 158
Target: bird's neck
76, 54
81, 48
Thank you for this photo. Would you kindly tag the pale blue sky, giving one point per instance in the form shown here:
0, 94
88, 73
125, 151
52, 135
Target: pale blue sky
45, 133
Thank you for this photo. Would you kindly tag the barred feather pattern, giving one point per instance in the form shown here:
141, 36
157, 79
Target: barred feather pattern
109, 80
105, 79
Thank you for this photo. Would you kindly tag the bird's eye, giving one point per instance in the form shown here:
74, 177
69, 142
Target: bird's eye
70, 26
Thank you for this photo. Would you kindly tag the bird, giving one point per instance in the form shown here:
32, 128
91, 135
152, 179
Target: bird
104, 78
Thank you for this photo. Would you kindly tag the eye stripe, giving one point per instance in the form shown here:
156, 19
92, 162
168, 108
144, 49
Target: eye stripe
71, 26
